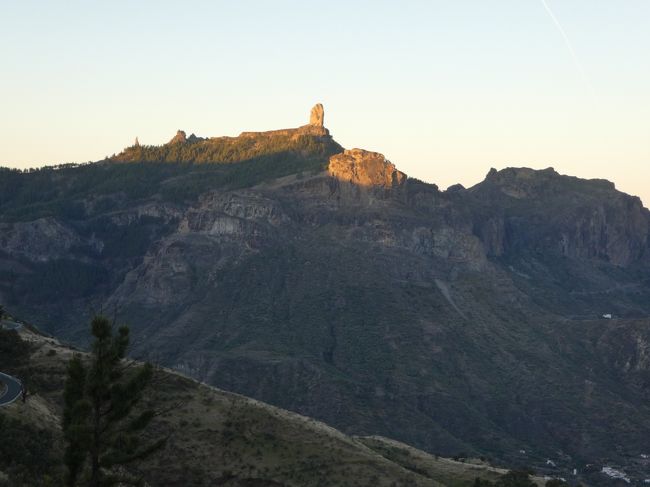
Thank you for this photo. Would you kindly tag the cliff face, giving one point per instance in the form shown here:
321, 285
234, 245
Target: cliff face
544, 211
365, 168
327, 282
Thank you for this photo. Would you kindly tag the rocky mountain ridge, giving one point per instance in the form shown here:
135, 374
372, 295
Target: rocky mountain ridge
325, 281
246, 146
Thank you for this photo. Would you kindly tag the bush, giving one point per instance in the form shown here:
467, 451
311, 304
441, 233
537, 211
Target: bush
14, 352
28, 455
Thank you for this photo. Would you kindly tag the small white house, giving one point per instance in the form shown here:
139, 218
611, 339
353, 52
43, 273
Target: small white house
615, 474
608, 316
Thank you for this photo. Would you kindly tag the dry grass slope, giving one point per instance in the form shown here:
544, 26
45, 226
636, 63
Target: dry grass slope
220, 438
444, 470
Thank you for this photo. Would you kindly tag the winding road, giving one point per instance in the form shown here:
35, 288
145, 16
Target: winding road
10, 387
12, 390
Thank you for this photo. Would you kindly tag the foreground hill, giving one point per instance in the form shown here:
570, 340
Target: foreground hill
329, 283
215, 438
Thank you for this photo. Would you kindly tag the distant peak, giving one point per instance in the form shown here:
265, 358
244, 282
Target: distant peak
523, 182
511, 173
317, 116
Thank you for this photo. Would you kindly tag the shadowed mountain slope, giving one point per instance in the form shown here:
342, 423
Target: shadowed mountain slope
214, 437
328, 283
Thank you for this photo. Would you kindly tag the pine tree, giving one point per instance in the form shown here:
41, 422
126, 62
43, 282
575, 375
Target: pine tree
102, 426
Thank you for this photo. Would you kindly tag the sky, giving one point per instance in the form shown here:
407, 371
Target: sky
446, 89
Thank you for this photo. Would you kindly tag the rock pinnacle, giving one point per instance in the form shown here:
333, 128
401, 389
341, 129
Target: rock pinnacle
317, 116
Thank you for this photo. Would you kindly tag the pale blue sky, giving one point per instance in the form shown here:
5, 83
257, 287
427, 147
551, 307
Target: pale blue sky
445, 89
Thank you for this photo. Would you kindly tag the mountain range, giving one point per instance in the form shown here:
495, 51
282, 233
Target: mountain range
509, 317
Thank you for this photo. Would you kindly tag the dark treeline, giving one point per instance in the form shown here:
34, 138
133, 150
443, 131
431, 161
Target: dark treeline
231, 149
175, 172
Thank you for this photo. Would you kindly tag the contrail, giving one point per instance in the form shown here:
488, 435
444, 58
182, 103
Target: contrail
567, 41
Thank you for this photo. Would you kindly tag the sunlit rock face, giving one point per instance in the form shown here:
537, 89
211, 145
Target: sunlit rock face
365, 168
317, 116
179, 138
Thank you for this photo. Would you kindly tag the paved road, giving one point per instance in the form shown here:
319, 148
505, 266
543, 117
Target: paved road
12, 391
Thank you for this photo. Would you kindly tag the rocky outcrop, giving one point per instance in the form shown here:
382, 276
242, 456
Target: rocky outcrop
231, 214
179, 138
365, 168
449, 244
315, 127
39, 240
317, 116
